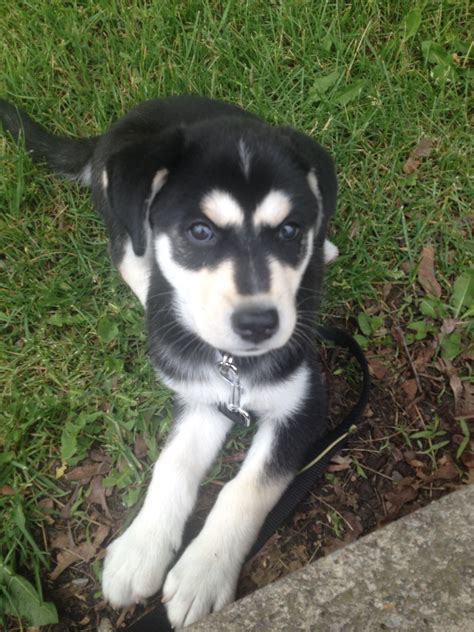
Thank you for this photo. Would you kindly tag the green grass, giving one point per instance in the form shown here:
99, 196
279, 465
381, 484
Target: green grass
358, 76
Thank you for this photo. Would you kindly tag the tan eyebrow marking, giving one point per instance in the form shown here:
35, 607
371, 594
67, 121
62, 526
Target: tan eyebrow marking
222, 209
273, 210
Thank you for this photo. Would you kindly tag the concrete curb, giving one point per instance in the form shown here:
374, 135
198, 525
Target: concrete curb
415, 574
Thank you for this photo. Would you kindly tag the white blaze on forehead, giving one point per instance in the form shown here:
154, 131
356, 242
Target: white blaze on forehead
273, 209
222, 209
245, 157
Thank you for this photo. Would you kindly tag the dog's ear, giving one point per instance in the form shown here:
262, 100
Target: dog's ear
320, 169
134, 175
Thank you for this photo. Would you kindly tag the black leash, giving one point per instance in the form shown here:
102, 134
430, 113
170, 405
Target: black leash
324, 449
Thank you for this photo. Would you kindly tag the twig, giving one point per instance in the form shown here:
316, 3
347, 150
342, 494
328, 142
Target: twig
408, 354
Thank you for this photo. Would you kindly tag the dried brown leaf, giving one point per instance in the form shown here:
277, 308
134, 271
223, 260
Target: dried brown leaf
423, 357
401, 494
423, 148
426, 272
377, 368
86, 471
410, 389
97, 494
82, 552
448, 326
446, 472
140, 448
411, 165
7, 490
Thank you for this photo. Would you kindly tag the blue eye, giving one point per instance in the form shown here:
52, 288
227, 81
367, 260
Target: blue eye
200, 232
288, 232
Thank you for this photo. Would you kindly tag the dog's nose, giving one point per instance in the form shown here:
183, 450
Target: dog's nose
255, 325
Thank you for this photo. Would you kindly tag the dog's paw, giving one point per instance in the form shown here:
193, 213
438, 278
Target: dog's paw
202, 581
135, 565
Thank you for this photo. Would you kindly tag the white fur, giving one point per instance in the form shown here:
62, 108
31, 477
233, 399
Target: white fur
136, 270
205, 577
245, 157
331, 251
222, 209
278, 400
158, 181
314, 186
272, 210
85, 177
136, 563
207, 298
105, 179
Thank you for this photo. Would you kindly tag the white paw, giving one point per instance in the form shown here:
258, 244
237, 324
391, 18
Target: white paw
202, 581
136, 563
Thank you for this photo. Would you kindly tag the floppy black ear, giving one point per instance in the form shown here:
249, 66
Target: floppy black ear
134, 176
319, 165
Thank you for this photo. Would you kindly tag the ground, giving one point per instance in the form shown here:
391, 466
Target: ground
384, 86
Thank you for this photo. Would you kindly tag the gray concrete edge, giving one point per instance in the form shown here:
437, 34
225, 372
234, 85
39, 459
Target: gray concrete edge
414, 574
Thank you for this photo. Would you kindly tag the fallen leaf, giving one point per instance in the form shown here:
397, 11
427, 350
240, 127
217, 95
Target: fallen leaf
339, 463
97, 494
426, 272
82, 552
7, 490
411, 165
377, 368
423, 357
86, 471
468, 459
404, 492
410, 389
446, 472
422, 150
448, 326
140, 448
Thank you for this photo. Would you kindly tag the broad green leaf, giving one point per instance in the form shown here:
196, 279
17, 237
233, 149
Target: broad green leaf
364, 324
410, 24
361, 340
322, 84
107, 330
463, 292
435, 53
451, 345
350, 92
70, 433
23, 600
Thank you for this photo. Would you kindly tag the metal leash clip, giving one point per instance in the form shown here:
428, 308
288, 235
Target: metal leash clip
230, 373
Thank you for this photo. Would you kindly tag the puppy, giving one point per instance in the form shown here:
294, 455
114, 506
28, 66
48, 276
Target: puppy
217, 222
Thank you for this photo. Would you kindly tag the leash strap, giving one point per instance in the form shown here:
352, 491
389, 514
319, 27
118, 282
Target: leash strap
324, 448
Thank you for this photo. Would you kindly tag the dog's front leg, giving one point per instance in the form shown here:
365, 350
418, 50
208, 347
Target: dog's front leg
205, 577
137, 561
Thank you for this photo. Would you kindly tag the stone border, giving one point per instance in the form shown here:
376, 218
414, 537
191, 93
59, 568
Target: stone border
415, 574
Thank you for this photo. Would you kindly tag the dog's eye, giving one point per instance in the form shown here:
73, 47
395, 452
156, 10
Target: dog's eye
201, 232
288, 231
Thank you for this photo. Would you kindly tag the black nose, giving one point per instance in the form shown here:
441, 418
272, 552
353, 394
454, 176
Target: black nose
255, 325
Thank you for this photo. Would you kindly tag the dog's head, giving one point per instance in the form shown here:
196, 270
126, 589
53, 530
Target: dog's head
235, 214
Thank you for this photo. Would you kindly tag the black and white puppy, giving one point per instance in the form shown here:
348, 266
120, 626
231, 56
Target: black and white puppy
217, 221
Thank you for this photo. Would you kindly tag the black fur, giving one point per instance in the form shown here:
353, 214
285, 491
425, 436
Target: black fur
192, 141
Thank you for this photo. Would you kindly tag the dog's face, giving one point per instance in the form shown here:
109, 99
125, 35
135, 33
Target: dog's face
234, 221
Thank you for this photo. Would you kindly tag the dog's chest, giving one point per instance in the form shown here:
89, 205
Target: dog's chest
275, 399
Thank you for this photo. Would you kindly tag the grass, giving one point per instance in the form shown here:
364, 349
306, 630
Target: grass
368, 79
